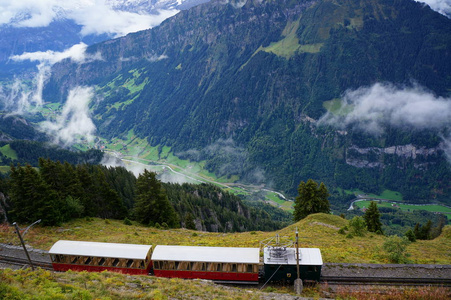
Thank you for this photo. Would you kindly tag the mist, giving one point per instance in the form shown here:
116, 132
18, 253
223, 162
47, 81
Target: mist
227, 159
441, 6
74, 124
22, 97
372, 109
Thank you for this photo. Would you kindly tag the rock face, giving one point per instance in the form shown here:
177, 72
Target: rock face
373, 157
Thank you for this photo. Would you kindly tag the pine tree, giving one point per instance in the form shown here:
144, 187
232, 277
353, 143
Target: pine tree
32, 198
189, 222
311, 199
373, 219
152, 204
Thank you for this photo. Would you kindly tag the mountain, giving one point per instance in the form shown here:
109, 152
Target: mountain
66, 26
300, 89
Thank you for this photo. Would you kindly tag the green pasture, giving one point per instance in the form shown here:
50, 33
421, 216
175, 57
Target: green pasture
8, 151
408, 207
386, 195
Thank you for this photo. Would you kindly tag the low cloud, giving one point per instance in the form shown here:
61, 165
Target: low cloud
77, 53
74, 124
226, 158
441, 6
372, 109
95, 16
22, 97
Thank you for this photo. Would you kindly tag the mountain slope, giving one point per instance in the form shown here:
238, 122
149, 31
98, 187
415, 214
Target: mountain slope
262, 73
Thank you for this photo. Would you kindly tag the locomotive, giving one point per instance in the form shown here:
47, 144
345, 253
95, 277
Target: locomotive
220, 264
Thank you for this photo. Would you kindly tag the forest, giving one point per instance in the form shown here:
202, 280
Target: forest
57, 192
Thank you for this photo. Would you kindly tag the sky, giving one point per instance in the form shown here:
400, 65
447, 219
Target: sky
95, 16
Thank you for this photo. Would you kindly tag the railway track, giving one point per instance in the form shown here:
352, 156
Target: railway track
330, 280
396, 281
24, 262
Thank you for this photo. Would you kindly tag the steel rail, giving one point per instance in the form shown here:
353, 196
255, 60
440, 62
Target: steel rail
24, 262
338, 280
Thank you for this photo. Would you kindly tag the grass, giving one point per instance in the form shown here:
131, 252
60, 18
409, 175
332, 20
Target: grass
289, 45
8, 151
41, 284
386, 195
408, 207
317, 231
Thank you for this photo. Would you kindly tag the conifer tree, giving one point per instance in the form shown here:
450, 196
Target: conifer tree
373, 219
152, 204
32, 198
311, 199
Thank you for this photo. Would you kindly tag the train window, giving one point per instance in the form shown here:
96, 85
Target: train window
183, 265
219, 267
129, 263
156, 264
255, 268
210, 266
74, 259
142, 265
88, 260
311, 269
226, 267
176, 267
249, 268
234, 269
115, 262
102, 261
197, 266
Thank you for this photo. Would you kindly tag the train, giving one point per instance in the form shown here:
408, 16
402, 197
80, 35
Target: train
220, 264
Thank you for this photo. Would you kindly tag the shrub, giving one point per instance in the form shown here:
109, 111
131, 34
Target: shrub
358, 227
395, 247
127, 221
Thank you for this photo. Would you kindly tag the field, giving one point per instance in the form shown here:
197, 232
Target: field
408, 207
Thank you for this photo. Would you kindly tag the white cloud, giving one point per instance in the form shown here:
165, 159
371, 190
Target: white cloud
95, 16
410, 108
99, 18
76, 53
74, 124
441, 6
371, 108
19, 92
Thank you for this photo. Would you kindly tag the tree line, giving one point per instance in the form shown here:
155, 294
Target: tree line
57, 192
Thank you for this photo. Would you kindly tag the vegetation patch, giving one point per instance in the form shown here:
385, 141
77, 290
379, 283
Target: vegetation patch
312, 231
8, 151
408, 207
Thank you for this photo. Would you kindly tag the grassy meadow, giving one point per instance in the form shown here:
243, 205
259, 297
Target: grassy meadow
316, 231
319, 230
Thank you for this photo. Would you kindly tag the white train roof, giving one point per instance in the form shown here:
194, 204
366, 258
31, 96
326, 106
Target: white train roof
287, 256
128, 251
207, 254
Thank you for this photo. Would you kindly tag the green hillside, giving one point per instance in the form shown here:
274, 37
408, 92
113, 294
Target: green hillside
243, 87
318, 231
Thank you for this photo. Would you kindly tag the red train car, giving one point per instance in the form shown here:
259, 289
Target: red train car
214, 263
97, 257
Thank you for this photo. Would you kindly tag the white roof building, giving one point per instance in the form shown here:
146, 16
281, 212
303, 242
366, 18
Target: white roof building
207, 254
127, 251
287, 256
